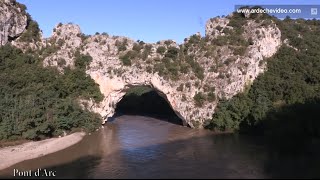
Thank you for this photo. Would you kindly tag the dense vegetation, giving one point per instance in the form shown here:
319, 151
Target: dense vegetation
32, 32
37, 102
282, 103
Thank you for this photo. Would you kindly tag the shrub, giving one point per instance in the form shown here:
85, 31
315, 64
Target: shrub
172, 53
131, 54
211, 96
227, 31
161, 49
125, 60
184, 68
220, 41
32, 33
180, 88
148, 47
230, 60
196, 84
122, 46
105, 34
221, 75
199, 99
188, 85
61, 62
61, 42
184, 98
239, 51
219, 28
136, 47
81, 61
167, 42
194, 39
149, 69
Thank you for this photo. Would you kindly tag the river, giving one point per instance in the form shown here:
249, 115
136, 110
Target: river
144, 147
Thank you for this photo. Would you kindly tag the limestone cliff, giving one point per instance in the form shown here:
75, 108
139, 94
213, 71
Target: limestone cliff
192, 76
13, 20
114, 78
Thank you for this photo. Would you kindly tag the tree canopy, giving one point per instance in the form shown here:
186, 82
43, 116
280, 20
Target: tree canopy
38, 102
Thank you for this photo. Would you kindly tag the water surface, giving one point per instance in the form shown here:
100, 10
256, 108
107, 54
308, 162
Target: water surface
144, 147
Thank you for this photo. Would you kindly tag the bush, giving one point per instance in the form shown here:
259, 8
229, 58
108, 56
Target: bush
230, 60
131, 54
194, 39
220, 41
161, 49
125, 60
149, 69
105, 34
188, 85
168, 42
227, 31
60, 42
184, 68
239, 51
180, 88
136, 47
196, 68
32, 34
122, 46
172, 53
199, 99
61, 62
81, 61
184, 98
146, 51
219, 28
211, 96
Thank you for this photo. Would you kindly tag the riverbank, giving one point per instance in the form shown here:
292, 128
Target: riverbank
15, 154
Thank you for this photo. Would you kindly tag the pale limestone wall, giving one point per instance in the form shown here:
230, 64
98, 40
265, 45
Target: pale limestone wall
114, 79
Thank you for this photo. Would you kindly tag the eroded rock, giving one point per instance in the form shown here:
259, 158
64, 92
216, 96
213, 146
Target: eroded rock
13, 20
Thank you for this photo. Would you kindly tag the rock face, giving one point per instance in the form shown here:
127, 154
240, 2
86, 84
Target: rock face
13, 20
114, 78
225, 73
67, 36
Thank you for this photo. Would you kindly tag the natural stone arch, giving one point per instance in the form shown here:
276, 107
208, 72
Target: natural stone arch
107, 69
115, 89
160, 95
113, 75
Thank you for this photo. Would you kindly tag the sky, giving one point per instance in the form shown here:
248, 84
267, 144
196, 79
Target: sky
146, 20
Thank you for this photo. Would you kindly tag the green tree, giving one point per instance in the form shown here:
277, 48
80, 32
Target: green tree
38, 102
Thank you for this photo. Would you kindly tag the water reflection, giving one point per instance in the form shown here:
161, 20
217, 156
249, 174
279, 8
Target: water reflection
142, 147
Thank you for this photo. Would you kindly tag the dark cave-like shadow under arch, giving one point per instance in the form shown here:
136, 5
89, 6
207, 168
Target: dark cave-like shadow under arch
146, 101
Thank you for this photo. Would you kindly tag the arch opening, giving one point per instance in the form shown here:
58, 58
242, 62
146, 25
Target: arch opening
146, 101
